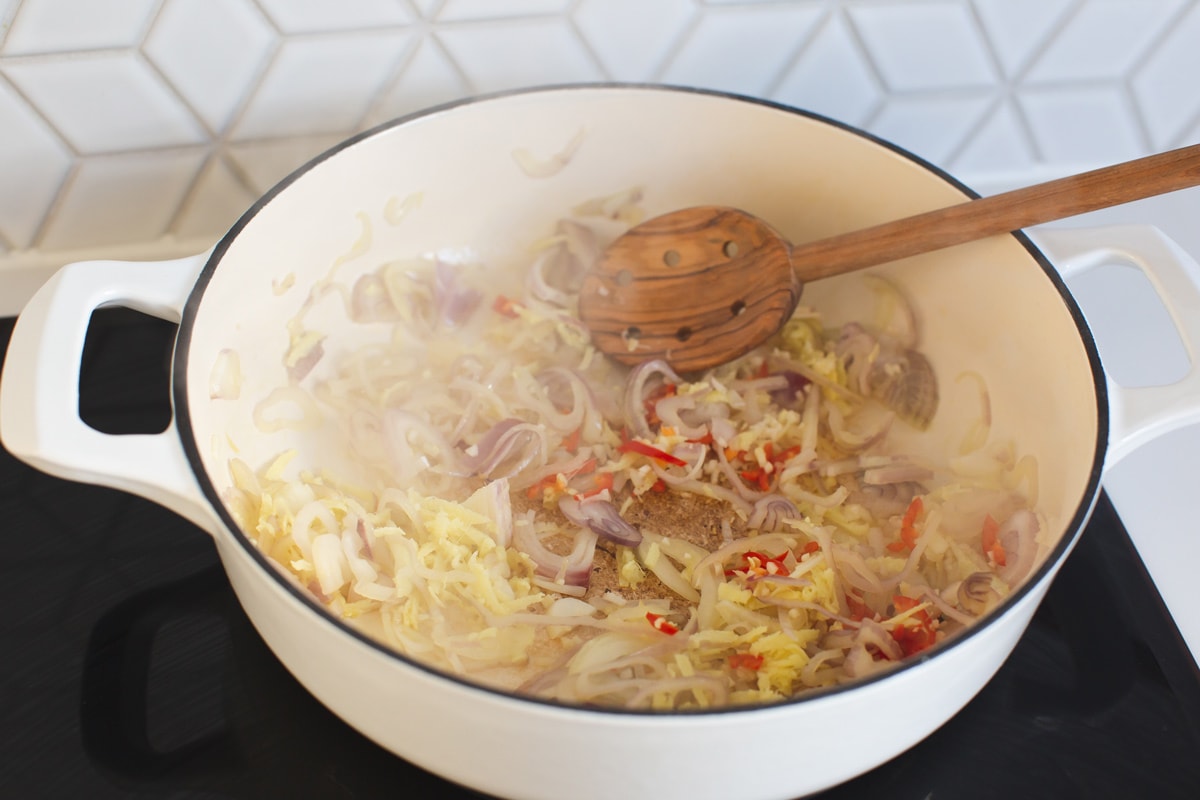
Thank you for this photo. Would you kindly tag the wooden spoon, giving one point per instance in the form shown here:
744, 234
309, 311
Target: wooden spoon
704, 285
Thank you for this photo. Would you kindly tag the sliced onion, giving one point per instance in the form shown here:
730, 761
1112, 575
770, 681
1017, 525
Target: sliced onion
571, 607
573, 569
856, 464
508, 447
886, 500
538, 281
602, 517
581, 242
856, 348
723, 430
872, 634
854, 570
770, 512
492, 501
413, 444
735, 480
298, 370
669, 410
565, 387
370, 300
894, 315
636, 385
762, 543
791, 394
978, 593
568, 467
1018, 536
328, 564
536, 167
811, 421
621, 205
225, 379
454, 304
694, 483
856, 441
897, 473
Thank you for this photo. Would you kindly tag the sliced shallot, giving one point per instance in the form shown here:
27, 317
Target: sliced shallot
602, 517
770, 512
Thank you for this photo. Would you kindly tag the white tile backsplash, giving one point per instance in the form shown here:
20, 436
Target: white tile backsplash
1019, 29
316, 16
633, 38
427, 8
60, 26
1164, 86
33, 162
856, 92
322, 84
999, 140
216, 198
1081, 126
182, 45
1102, 40
429, 78
262, 164
7, 9
933, 125
519, 52
105, 101
144, 124
150, 186
924, 46
457, 10
743, 49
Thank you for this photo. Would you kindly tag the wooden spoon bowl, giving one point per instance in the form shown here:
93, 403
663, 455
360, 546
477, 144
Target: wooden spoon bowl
687, 284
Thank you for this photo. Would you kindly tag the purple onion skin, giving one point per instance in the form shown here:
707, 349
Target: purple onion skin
603, 518
790, 397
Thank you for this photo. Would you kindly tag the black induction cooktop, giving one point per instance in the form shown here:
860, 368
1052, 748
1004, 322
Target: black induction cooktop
127, 668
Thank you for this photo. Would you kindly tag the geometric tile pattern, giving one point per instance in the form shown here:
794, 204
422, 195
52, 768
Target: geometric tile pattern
130, 121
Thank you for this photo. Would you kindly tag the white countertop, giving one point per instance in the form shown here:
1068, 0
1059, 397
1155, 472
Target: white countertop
1155, 488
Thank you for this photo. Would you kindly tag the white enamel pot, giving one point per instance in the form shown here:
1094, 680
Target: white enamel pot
996, 306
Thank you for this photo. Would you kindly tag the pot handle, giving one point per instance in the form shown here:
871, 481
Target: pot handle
39, 389
1140, 414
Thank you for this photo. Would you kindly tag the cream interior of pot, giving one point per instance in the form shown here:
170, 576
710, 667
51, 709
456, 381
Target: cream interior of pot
452, 183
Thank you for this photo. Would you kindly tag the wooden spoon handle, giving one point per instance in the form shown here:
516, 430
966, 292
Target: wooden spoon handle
1001, 213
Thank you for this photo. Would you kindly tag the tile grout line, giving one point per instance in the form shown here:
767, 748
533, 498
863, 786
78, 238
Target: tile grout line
6, 24
370, 115
1139, 63
584, 42
1019, 75
396, 72
870, 117
672, 51
805, 44
1001, 90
